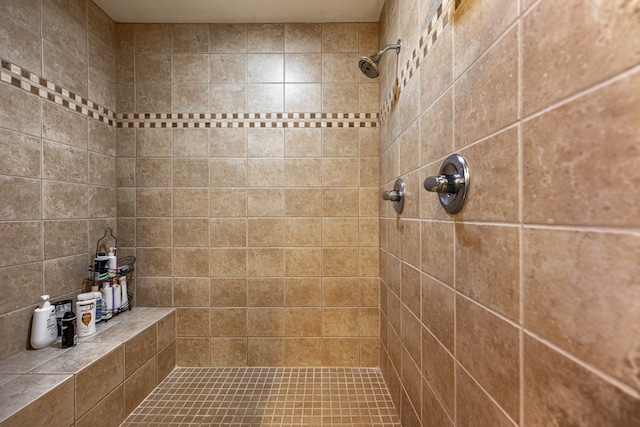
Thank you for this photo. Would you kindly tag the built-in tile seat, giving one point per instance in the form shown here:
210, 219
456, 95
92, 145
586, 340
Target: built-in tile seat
99, 381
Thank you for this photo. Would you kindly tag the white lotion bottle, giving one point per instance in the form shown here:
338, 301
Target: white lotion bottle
86, 314
117, 296
44, 328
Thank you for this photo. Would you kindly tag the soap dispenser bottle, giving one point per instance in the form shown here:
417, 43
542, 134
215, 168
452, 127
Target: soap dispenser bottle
44, 327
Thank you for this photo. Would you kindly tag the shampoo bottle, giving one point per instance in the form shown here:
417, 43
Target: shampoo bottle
98, 296
113, 261
117, 296
44, 328
107, 301
125, 295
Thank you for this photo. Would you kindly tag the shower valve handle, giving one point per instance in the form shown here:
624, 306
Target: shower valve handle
392, 195
443, 183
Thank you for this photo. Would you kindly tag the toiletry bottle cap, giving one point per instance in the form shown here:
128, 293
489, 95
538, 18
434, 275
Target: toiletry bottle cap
45, 301
112, 251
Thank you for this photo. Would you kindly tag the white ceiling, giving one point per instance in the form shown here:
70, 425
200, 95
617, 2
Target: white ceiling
247, 11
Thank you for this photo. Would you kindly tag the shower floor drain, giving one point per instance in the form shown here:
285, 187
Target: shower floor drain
268, 397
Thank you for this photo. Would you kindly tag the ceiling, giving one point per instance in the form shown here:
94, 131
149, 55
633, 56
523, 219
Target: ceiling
246, 11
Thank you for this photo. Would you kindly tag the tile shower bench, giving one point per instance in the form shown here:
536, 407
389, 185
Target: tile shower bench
97, 382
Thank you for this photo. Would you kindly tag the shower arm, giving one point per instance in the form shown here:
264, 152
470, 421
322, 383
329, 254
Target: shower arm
390, 46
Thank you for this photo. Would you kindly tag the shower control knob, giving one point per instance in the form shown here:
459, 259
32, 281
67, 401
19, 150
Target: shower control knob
393, 195
452, 183
396, 195
443, 183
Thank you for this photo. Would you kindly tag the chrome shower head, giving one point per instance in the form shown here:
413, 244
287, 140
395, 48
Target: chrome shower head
369, 64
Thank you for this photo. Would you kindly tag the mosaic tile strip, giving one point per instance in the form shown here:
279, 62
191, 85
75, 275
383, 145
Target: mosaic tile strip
428, 39
32, 83
268, 397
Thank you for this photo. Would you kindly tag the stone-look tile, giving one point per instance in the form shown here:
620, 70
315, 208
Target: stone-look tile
152, 143
368, 231
140, 384
190, 37
433, 414
153, 172
190, 232
438, 250
559, 391
58, 393
496, 73
487, 265
65, 69
153, 232
263, 143
340, 352
265, 38
369, 292
154, 262
20, 111
188, 202
228, 292
153, 202
303, 202
153, 292
191, 292
228, 172
265, 68
303, 322
409, 149
438, 368
64, 275
192, 322
227, 38
229, 352
225, 142
411, 396
438, 310
26, 242
26, 197
232, 207
368, 201
102, 138
303, 68
192, 142
228, 68
598, 43
265, 352
228, 322
369, 352
153, 38
340, 97
191, 352
436, 69
303, 142
474, 407
613, 111
340, 322
125, 37
265, 322
228, 97
340, 292
139, 349
166, 330
60, 29
98, 380
410, 335
21, 155
265, 262
191, 262
302, 172
62, 125
152, 97
488, 348
22, 46
340, 231
410, 289
266, 202
109, 412
228, 262
64, 238
22, 283
263, 98
369, 262
339, 37
302, 37
303, 292
340, 67
303, 352
368, 37
340, 172
409, 235
125, 68
340, 262
264, 292
302, 97
436, 130
100, 25
265, 172
578, 316
340, 142
477, 27
190, 98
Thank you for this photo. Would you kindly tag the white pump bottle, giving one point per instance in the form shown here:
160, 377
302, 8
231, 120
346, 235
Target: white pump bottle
44, 328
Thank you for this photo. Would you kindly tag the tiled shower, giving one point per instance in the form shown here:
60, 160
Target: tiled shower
242, 164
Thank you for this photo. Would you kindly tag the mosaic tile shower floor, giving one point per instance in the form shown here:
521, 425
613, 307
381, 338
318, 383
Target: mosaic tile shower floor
268, 397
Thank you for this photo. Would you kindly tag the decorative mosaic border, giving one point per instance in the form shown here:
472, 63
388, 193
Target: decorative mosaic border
437, 24
32, 83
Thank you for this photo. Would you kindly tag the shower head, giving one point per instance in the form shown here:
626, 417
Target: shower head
369, 64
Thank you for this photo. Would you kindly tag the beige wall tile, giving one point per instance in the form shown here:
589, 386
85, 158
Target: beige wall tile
339, 37
140, 384
228, 142
228, 262
476, 404
191, 262
303, 322
265, 292
153, 232
340, 292
166, 360
265, 172
228, 292
303, 261
139, 349
303, 352
26, 195
193, 352
152, 37
438, 250
91, 388
190, 232
303, 202
192, 322
228, 68
303, 292
153, 202
223, 205
265, 322
265, 352
340, 352
303, 142
153, 292
229, 352
265, 262
191, 202
227, 38
265, 38
489, 349
228, 322
265, 202
562, 391
110, 409
303, 37
303, 68
190, 37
